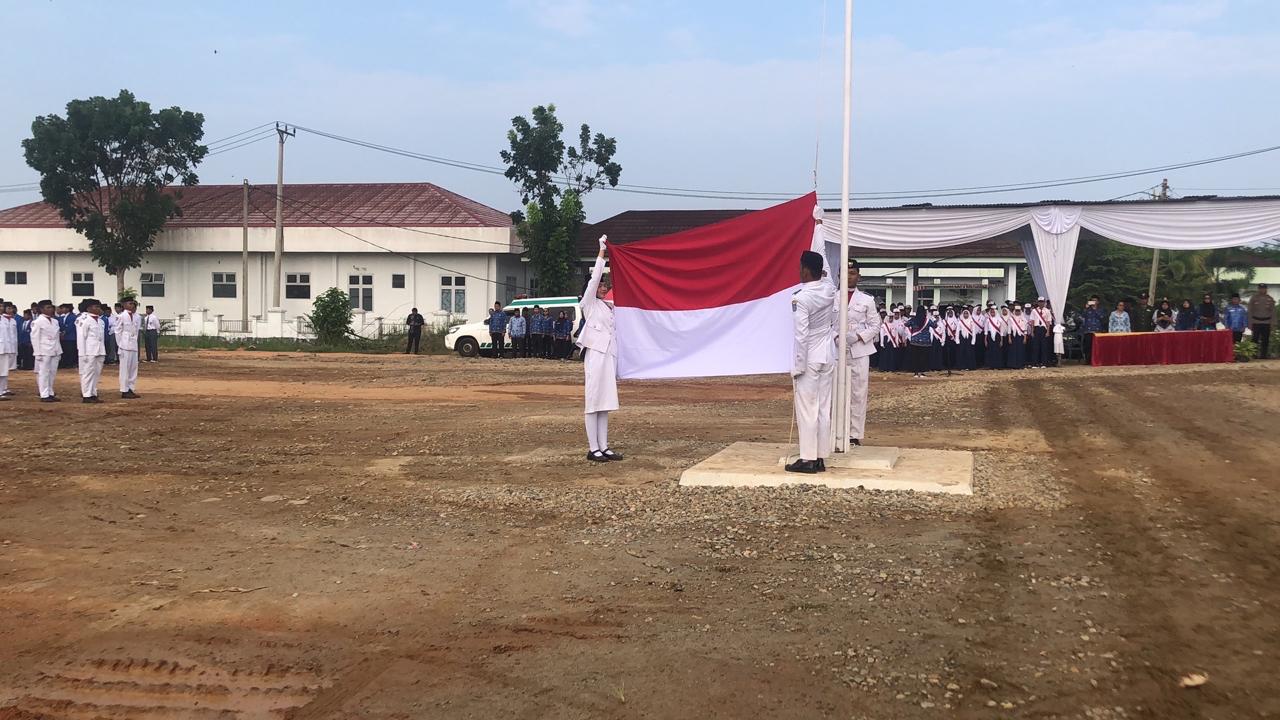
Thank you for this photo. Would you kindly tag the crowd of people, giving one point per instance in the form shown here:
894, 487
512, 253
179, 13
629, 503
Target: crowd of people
1254, 319
531, 333
965, 337
86, 336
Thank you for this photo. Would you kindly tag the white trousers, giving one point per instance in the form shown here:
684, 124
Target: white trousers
46, 371
597, 431
8, 361
90, 372
128, 369
813, 411
857, 379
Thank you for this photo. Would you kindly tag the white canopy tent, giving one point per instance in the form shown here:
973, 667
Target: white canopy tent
1191, 224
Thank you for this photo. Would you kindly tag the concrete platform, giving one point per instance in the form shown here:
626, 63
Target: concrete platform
745, 464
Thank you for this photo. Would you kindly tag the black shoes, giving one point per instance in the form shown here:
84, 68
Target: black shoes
822, 465
809, 467
51, 398
597, 456
855, 441
611, 455
93, 400
130, 395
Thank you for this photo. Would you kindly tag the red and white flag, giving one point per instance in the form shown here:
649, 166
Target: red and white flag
714, 300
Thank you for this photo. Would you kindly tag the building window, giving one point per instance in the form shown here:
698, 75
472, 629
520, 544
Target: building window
453, 294
397, 281
82, 284
224, 284
152, 284
15, 277
360, 290
297, 286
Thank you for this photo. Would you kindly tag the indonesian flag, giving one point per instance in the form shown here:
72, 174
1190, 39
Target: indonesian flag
714, 300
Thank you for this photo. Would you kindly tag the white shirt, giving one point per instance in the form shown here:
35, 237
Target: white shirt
90, 337
864, 325
46, 337
8, 335
126, 329
811, 313
1041, 317
597, 332
153, 322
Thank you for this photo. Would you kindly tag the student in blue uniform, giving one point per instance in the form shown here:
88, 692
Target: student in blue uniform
921, 329
937, 339
561, 331
26, 353
66, 317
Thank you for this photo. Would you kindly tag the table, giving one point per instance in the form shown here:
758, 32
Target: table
1164, 348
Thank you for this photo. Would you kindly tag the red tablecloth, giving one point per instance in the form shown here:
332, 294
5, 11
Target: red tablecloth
1163, 348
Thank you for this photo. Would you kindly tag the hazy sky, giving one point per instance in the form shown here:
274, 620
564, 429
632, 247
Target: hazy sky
704, 94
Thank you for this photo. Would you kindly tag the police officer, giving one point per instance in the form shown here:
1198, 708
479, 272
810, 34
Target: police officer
812, 364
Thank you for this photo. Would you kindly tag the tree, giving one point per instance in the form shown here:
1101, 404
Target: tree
331, 316
552, 178
106, 165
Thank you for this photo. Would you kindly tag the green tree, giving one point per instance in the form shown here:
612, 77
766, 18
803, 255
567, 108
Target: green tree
331, 316
105, 167
552, 178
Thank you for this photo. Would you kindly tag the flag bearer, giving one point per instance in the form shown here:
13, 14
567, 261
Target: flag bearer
128, 327
8, 347
599, 361
92, 345
812, 360
863, 328
46, 345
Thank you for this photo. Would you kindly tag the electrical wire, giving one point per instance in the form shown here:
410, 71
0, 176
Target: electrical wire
219, 141
237, 146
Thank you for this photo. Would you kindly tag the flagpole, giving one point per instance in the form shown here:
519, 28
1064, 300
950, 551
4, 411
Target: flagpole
840, 409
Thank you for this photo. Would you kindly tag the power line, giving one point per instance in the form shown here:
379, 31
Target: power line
387, 249
219, 141
245, 143
770, 196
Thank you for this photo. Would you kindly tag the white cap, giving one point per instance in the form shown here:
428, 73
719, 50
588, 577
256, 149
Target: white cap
1040, 299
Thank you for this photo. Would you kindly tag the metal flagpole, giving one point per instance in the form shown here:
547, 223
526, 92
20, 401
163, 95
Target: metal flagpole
840, 403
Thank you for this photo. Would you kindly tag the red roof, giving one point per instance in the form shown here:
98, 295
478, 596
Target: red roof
335, 204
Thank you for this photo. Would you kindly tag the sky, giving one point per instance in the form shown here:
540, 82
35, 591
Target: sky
738, 96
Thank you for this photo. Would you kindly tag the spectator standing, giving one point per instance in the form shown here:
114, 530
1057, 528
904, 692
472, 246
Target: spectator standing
8, 347
563, 328
498, 329
1262, 317
1236, 318
1092, 321
1119, 321
413, 324
1164, 317
109, 331
26, 357
1186, 317
518, 328
1208, 314
151, 334
1141, 317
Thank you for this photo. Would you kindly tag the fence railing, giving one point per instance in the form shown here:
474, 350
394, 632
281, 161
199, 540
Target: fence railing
233, 326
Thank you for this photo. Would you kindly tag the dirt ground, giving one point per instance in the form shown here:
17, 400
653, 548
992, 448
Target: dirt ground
298, 536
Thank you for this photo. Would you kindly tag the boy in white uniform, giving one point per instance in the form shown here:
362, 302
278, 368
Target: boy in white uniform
92, 344
8, 348
127, 328
46, 346
864, 326
811, 369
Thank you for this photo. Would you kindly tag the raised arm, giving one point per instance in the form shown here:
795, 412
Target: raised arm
597, 272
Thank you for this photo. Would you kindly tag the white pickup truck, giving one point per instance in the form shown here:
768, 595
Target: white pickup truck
472, 339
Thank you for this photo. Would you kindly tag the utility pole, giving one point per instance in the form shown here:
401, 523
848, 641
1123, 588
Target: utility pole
1155, 254
283, 131
244, 257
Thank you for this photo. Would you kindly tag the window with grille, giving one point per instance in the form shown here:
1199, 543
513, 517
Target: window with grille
297, 286
82, 284
15, 277
453, 294
360, 290
152, 284
224, 284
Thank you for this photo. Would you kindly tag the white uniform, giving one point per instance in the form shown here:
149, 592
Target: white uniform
599, 361
812, 367
8, 349
127, 327
46, 345
864, 326
92, 346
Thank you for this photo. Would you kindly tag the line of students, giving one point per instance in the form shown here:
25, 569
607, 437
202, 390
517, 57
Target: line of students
532, 333
965, 337
87, 338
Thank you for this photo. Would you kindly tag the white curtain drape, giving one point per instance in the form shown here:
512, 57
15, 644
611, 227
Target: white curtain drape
1055, 231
